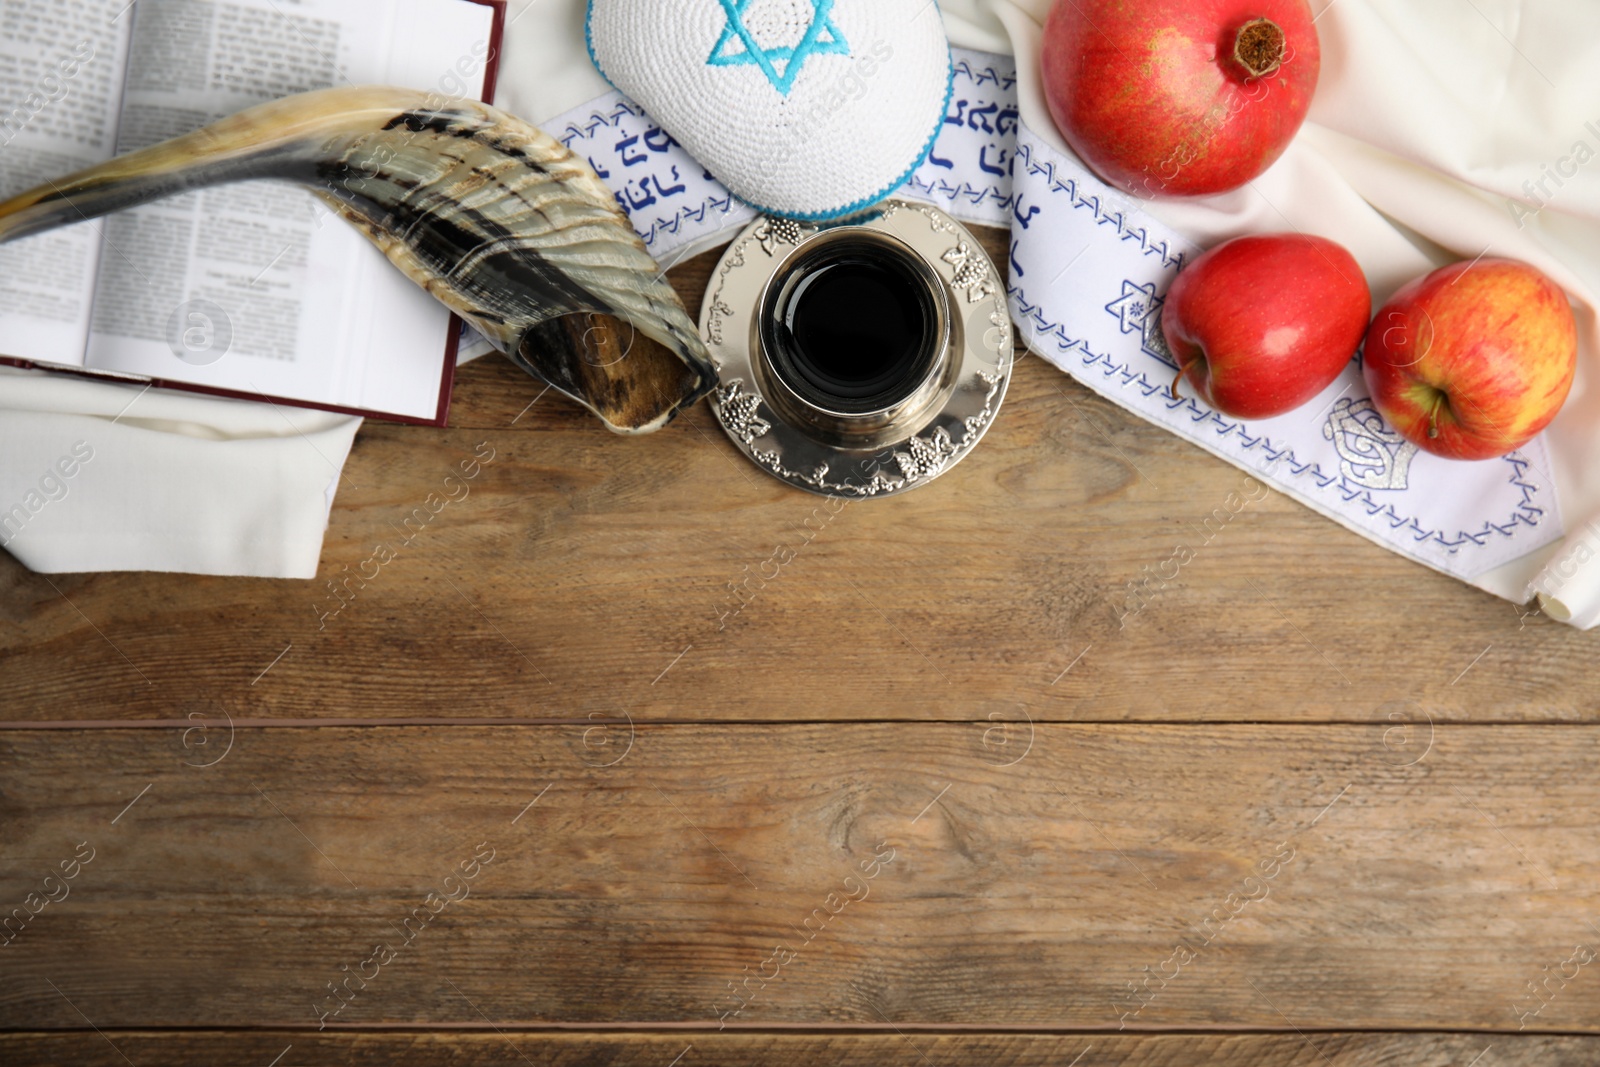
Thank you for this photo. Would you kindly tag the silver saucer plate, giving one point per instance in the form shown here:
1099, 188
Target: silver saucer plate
910, 445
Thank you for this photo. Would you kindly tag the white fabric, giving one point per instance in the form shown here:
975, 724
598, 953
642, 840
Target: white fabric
1089, 270
104, 477
1423, 113
1428, 116
803, 108
1087, 282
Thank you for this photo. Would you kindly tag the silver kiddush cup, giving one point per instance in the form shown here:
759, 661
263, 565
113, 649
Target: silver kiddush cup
858, 359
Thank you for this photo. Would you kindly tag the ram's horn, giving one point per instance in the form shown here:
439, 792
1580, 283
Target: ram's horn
498, 220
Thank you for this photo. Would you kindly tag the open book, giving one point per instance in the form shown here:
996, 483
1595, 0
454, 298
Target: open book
255, 289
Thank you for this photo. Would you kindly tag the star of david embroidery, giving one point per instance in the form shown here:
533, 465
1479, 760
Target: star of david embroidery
822, 37
1133, 307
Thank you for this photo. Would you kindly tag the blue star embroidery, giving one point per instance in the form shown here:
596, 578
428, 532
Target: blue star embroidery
811, 43
1133, 307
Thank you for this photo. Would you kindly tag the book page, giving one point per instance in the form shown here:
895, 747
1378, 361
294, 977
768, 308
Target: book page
257, 286
61, 68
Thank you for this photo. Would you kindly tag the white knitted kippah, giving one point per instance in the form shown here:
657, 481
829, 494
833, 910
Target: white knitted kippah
811, 109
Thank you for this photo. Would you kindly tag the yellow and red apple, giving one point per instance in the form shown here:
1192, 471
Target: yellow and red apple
1473, 360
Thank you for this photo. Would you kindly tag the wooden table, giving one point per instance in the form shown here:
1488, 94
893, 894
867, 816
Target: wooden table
635, 756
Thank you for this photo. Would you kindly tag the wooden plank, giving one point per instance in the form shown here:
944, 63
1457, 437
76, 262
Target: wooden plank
582, 566
1114, 875
697, 1049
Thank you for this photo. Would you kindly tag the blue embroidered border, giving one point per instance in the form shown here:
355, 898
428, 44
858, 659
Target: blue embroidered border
1527, 514
625, 107
979, 74
1169, 258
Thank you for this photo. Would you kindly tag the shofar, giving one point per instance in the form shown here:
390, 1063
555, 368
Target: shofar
498, 220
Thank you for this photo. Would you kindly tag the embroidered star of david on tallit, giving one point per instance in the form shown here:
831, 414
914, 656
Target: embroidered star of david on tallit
1134, 306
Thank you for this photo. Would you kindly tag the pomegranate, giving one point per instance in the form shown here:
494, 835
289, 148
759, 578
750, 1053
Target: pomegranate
1179, 97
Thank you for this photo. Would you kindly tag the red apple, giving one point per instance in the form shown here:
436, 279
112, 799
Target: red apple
1179, 97
1260, 325
1473, 360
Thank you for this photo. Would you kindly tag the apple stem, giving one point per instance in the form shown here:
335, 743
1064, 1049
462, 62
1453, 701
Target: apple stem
1259, 47
1175, 382
1433, 417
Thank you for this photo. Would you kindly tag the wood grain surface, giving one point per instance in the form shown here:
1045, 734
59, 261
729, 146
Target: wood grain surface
516, 1048
581, 565
1313, 804
1110, 876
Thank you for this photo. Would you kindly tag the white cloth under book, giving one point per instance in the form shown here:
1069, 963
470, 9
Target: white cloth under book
101, 477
